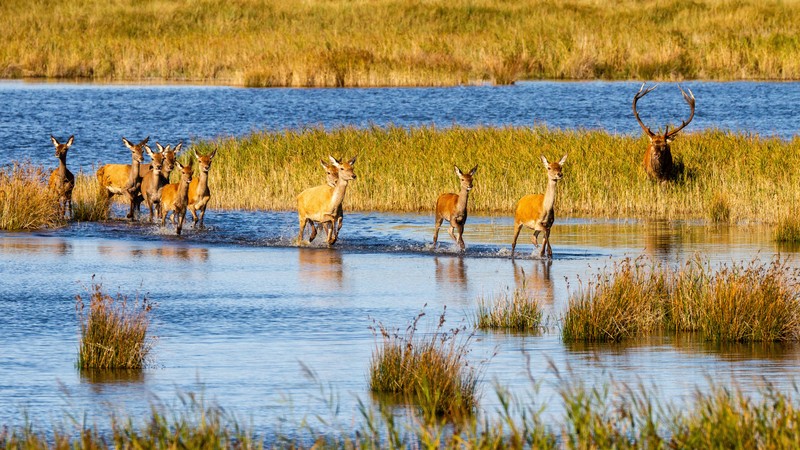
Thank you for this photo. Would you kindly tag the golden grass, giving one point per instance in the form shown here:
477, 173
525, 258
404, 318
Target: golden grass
26, 203
515, 311
752, 302
431, 371
787, 230
113, 331
386, 42
407, 169
89, 200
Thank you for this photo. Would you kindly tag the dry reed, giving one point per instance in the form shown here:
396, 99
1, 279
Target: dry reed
26, 203
89, 200
515, 311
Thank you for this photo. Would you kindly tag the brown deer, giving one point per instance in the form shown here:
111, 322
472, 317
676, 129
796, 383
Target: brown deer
124, 179
658, 157
320, 203
453, 208
154, 180
199, 192
175, 198
536, 211
332, 176
62, 181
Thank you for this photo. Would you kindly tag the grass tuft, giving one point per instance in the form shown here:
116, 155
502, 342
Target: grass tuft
113, 331
26, 203
719, 208
89, 200
430, 370
515, 311
787, 230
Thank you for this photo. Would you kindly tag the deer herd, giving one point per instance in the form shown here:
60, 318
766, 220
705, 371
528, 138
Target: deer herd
321, 206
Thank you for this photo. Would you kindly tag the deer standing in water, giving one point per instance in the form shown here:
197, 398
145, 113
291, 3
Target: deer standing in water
124, 179
62, 181
175, 198
154, 180
658, 157
199, 192
453, 208
320, 203
536, 211
332, 177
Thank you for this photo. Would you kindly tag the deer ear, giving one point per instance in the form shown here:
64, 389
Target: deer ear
144, 141
324, 164
54, 140
180, 166
149, 152
458, 171
334, 161
160, 147
546, 164
127, 143
563, 160
352, 161
178, 147
70, 140
474, 169
211, 156
670, 139
196, 155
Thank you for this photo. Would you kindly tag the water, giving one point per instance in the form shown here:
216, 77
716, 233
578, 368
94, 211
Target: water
241, 310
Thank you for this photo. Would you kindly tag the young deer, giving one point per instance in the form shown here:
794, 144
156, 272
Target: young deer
175, 197
453, 208
124, 179
154, 180
62, 181
199, 192
536, 211
332, 176
320, 203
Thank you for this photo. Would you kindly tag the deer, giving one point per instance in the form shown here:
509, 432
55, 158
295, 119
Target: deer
332, 176
199, 192
175, 198
536, 211
124, 179
453, 208
320, 203
155, 179
62, 181
658, 158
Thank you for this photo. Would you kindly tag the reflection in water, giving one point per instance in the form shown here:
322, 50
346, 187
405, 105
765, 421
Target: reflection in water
450, 271
536, 280
321, 263
737, 351
98, 378
661, 239
199, 254
33, 245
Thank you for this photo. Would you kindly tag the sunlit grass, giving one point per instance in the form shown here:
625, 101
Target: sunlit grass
89, 200
384, 42
787, 230
511, 311
26, 203
114, 331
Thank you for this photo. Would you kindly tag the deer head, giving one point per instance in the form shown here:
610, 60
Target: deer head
136, 149
554, 169
61, 149
466, 179
204, 161
345, 170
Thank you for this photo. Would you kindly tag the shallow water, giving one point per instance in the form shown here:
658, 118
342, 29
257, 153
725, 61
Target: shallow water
240, 311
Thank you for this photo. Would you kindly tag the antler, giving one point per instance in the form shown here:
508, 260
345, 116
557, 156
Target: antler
642, 92
690, 100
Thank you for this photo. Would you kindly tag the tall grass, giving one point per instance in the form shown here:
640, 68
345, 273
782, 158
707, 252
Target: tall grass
407, 169
385, 42
515, 311
89, 200
431, 370
26, 203
787, 230
752, 302
114, 331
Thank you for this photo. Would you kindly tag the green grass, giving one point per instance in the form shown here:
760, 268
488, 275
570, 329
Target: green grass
515, 311
787, 230
389, 42
114, 331
752, 302
429, 370
26, 203
407, 169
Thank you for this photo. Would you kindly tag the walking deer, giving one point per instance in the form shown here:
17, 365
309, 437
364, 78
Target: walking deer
658, 157
175, 198
536, 211
320, 203
62, 181
332, 176
124, 179
199, 192
453, 208
155, 179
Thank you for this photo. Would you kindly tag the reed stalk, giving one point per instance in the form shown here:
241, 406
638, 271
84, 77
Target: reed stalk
26, 203
515, 311
89, 200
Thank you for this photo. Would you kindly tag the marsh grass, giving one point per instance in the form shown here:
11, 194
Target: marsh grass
514, 311
429, 370
89, 200
719, 209
752, 302
26, 203
787, 230
383, 42
406, 170
114, 331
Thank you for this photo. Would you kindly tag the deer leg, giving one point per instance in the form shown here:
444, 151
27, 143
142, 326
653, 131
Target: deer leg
535, 237
339, 224
303, 221
192, 210
545, 243
313, 231
460, 241
517, 229
436, 230
181, 218
202, 216
450, 230
549, 247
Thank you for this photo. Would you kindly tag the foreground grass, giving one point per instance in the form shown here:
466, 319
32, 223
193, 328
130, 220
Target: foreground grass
733, 303
747, 177
114, 331
26, 203
89, 200
515, 311
386, 42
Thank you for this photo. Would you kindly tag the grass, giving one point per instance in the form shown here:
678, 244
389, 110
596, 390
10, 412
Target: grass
26, 203
515, 311
89, 200
386, 42
406, 169
431, 371
787, 230
752, 302
114, 331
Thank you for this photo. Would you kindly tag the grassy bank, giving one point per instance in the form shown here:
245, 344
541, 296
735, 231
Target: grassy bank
750, 177
26, 203
389, 42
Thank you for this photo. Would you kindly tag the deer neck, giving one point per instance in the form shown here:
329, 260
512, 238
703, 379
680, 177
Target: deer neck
337, 195
134, 177
463, 197
550, 196
62, 166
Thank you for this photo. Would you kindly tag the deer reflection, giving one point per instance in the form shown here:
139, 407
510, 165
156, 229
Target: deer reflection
321, 263
451, 271
199, 254
535, 279
660, 239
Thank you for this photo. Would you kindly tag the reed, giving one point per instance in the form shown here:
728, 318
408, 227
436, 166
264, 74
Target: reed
431, 371
26, 203
114, 331
89, 200
384, 42
787, 230
515, 311
406, 169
